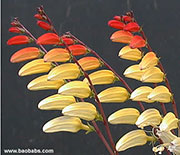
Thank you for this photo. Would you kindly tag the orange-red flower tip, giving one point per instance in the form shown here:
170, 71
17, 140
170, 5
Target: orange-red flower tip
78, 49
116, 24
117, 18
44, 25
39, 16
48, 39
16, 30
137, 42
127, 18
121, 36
18, 40
132, 27
67, 41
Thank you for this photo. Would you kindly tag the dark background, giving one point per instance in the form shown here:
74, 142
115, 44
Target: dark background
87, 19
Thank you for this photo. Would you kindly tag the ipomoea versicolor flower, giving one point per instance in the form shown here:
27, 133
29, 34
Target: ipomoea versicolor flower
48, 38
116, 24
27, 53
42, 83
34, 67
124, 116
137, 42
132, 27
16, 30
75, 88
44, 25
56, 102
19, 40
78, 49
113, 95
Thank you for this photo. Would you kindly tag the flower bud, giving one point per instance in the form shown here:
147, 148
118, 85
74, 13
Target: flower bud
113, 95
75, 88
160, 94
67, 41
41, 83
44, 25
57, 55
137, 42
78, 49
116, 24
40, 17
132, 27
64, 71
130, 54
127, 18
48, 38
56, 102
117, 18
124, 116
16, 30
34, 67
19, 40
83, 110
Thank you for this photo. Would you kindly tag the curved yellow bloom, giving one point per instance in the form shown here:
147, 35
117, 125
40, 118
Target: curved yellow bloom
175, 146
165, 136
34, 67
64, 123
124, 116
83, 110
149, 117
133, 72
160, 94
169, 122
113, 95
75, 88
149, 60
64, 71
56, 102
41, 83
141, 93
153, 75
131, 139
101, 77
130, 54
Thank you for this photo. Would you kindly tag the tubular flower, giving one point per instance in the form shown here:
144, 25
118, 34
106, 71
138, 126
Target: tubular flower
133, 72
40, 17
34, 67
78, 49
116, 24
169, 122
41, 83
149, 60
132, 139
83, 110
27, 53
130, 54
117, 18
18, 40
75, 88
121, 36
175, 146
89, 63
64, 71
132, 27
137, 42
101, 77
64, 123
141, 93
57, 55
149, 117
127, 18
48, 39
113, 95
56, 102
124, 116
16, 30
153, 75
44, 25
66, 40
160, 94
165, 136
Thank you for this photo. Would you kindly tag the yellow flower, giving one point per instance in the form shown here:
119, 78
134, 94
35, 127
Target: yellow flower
149, 60
175, 146
101, 77
41, 83
83, 110
56, 102
160, 94
153, 75
141, 93
133, 72
130, 54
113, 95
149, 117
75, 88
124, 116
64, 71
64, 123
34, 67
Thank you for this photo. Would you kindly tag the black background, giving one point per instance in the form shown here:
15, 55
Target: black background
87, 19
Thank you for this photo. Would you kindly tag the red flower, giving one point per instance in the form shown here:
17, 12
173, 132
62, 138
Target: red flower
40, 17
117, 18
137, 42
68, 41
44, 25
48, 38
78, 49
16, 30
132, 27
18, 40
14, 23
116, 24
127, 18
